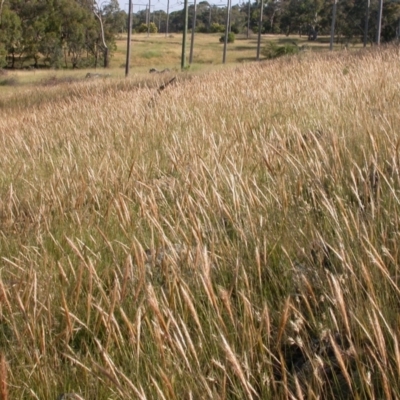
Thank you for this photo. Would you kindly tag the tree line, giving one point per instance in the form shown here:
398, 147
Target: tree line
82, 33
302, 17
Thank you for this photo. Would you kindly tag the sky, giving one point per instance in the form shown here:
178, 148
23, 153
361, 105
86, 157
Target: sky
174, 5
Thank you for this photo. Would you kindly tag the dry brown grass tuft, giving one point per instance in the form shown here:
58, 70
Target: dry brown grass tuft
3, 378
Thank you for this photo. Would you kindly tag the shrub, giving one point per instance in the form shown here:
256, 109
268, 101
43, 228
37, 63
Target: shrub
231, 38
272, 50
235, 29
11, 81
142, 28
215, 28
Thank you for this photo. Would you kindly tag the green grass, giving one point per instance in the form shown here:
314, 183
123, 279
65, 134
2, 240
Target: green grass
232, 236
151, 54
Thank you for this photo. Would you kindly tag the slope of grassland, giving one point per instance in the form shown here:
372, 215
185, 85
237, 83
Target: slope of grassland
235, 236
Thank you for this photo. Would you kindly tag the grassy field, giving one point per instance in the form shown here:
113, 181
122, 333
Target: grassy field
160, 52
234, 236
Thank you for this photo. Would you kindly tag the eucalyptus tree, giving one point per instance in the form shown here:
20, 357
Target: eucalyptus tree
10, 37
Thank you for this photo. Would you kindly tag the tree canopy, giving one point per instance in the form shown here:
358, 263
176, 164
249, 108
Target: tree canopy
58, 32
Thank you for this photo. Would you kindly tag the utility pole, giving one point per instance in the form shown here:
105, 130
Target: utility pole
128, 47
259, 30
334, 11
166, 29
378, 31
186, 13
248, 20
226, 31
148, 19
230, 16
193, 29
398, 30
366, 27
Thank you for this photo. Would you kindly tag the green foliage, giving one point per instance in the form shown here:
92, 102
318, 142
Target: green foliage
216, 28
272, 50
3, 54
143, 28
231, 38
390, 22
10, 35
51, 49
235, 29
56, 31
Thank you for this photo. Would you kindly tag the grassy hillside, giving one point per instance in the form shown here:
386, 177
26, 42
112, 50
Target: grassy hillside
235, 235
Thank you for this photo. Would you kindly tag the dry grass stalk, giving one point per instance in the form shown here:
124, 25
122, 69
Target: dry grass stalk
249, 390
3, 378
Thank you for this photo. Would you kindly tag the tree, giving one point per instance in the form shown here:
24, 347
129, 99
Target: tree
10, 36
50, 30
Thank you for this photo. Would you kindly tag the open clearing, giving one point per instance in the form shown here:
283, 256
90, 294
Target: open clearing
158, 51
233, 236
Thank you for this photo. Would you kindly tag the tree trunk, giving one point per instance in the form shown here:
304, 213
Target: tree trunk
106, 57
97, 14
366, 27
248, 20
1, 9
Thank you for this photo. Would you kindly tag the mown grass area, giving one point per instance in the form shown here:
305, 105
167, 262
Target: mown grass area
232, 236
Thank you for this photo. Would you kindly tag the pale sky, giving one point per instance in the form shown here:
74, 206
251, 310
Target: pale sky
174, 5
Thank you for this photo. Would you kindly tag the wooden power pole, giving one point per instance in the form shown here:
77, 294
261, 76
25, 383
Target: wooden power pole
226, 31
128, 47
192, 36
259, 30
185, 26
166, 30
379, 29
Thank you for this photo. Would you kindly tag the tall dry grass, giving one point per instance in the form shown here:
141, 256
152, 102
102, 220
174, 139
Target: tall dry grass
235, 236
